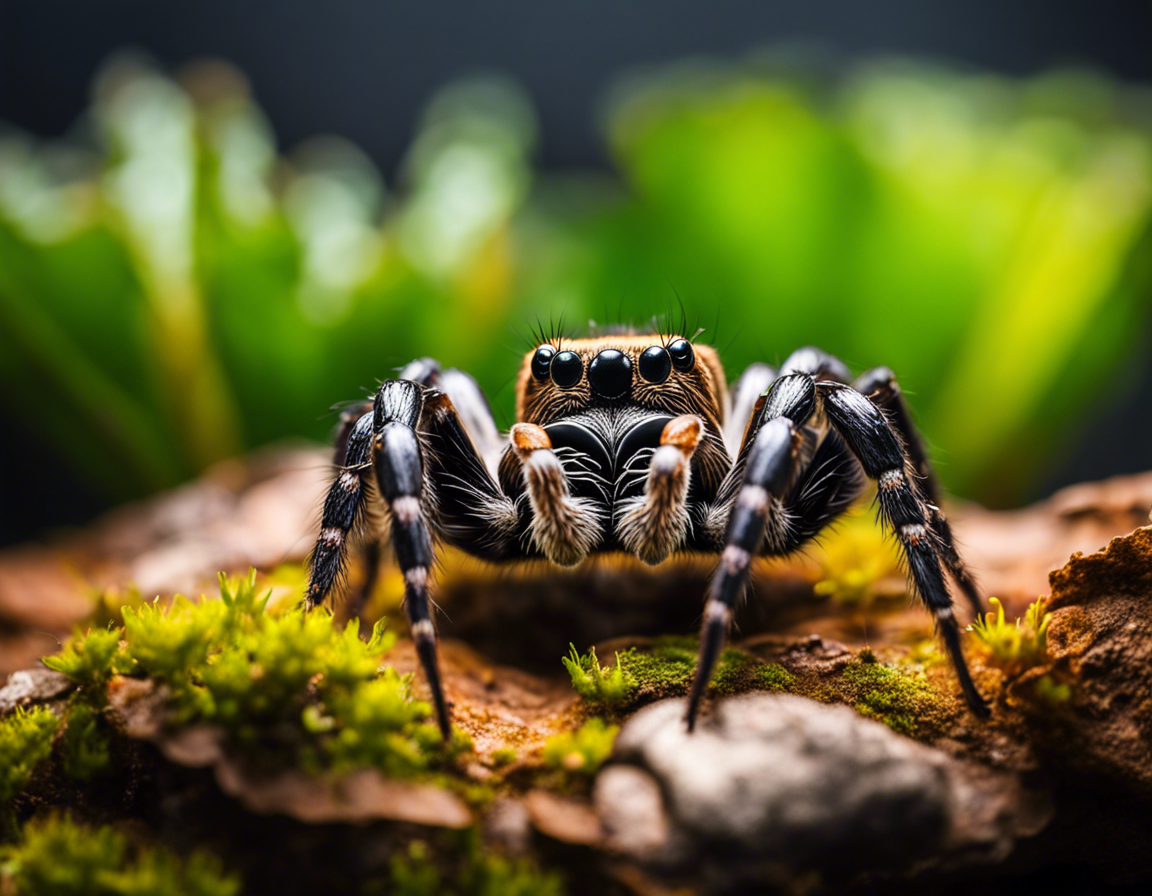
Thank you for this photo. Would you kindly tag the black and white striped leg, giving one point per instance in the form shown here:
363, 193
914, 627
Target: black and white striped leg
399, 465
424, 371
768, 471
792, 396
343, 508
880, 385
870, 436
349, 415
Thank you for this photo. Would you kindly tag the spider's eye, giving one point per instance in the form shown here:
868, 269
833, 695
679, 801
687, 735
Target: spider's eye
655, 364
683, 356
540, 362
567, 369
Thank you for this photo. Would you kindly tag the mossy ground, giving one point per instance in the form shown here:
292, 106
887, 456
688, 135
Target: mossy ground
56, 856
284, 689
295, 690
664, 669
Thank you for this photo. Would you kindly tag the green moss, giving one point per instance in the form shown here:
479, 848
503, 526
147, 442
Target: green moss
896, 697
1014, 647
89, 659
26, 737
287, 682
504, 756
1051, 691
774, 677
856, 559
582, 751
667, 668
85, 743
59, 858
474, 871
604, 686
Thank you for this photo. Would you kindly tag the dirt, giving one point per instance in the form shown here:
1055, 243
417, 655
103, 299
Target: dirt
1066, 756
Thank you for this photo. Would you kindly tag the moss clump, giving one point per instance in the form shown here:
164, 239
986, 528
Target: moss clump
774, 677
1052, 691
474, 871
898, 698
25, 741
283, 682
89, 659
504, 756
604, 686
56, 856
667, 668
582, 751
1013, 647
85, 743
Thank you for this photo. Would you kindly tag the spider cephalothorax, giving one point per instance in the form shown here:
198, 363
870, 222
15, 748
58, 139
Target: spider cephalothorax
634, 443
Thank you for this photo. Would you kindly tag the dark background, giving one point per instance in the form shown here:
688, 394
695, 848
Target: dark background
364, 70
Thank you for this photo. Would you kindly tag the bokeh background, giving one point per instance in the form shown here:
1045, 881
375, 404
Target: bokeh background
217, 220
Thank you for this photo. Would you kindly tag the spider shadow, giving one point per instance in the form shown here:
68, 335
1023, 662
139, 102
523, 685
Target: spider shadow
529, 614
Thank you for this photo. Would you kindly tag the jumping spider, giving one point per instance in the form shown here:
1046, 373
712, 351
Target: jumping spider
633, 443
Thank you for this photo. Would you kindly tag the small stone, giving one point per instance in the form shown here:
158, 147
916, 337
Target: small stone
635, 820
35, 685
790, 780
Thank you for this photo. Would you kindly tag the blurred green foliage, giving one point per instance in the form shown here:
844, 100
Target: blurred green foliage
173, 290
56, 856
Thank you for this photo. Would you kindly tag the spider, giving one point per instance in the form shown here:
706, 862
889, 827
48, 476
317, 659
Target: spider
634, 443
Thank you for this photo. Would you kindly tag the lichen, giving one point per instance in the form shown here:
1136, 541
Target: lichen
56, 856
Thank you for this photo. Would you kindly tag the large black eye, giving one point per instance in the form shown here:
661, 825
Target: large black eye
566, 369
540, 362
610, 374
683, 357
655, 364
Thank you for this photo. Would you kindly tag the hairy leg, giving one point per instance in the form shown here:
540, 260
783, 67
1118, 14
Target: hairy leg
410, 441
656, 523
563, 528
872, 439
880, 385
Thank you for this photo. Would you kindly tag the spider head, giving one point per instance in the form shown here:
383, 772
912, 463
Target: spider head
663, 374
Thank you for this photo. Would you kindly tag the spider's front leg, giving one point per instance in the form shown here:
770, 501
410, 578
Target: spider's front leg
761, 476
385, 442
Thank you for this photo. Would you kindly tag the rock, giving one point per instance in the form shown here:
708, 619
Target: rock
140, 710
1100, 640
780, 785
35, 685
